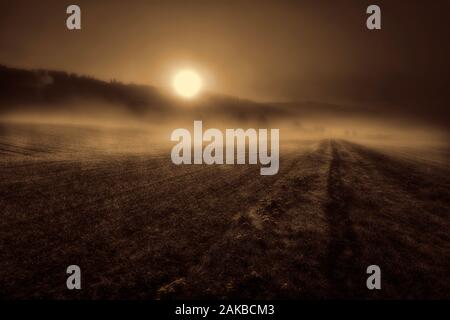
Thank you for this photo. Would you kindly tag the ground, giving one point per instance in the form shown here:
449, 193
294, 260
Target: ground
140, 227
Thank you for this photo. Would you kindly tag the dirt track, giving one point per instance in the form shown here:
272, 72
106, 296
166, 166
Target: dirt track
141, 227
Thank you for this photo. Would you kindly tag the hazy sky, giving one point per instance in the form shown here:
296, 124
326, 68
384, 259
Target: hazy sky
263, 50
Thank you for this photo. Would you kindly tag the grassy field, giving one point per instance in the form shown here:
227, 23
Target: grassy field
140, 227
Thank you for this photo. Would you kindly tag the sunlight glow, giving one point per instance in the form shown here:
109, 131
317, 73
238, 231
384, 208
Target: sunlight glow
187, 83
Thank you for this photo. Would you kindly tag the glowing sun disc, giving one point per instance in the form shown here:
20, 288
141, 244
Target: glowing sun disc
187, 83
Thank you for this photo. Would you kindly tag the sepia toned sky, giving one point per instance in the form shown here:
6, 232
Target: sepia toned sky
261, 50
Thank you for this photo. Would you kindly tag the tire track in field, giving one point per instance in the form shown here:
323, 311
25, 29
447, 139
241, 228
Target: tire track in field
344, 250
402, 226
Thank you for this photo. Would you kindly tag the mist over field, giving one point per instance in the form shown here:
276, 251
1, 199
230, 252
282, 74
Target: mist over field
86, 178
135, 115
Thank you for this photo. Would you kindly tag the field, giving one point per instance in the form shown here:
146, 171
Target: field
142, 228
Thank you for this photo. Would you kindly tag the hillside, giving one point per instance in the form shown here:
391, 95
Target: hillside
50, 90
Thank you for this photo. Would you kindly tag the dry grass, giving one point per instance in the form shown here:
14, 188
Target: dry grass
141, 227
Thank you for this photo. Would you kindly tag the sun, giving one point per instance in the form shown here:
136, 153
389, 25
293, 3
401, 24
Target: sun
187, 83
